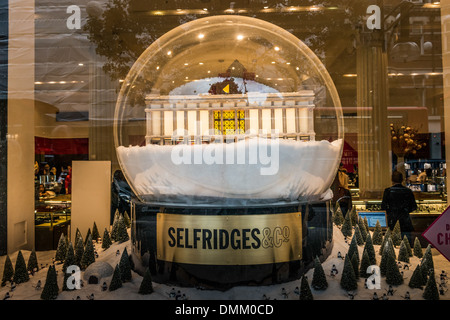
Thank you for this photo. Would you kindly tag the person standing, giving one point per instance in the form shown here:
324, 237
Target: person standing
399, 202
341, 192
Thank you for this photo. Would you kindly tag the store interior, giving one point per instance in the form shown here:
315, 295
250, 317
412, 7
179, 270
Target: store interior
79, 72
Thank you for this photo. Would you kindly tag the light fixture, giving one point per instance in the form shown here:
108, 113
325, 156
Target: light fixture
201, 36
157, 68
186, 64
277, 48
200, 63
169, 53
240, 37
273, 62
80, 64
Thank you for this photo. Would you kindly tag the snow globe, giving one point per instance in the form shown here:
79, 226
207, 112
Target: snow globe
221, 119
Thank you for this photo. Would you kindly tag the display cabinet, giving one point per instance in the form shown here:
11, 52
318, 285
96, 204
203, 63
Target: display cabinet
52, 218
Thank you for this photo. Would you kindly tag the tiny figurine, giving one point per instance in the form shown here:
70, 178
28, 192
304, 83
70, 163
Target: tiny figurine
178, 295
91, 297
390, 291
297, 290
265, 297
7, 296
385, 297
117, 252
442, 291
351, 295
13, 286
339, 255
172, 293
405, 267
284, 293
375, 296
334, 270
407, 296
38, 285
104, 286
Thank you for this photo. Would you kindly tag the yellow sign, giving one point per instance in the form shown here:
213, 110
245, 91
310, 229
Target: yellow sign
227, 88
230, 239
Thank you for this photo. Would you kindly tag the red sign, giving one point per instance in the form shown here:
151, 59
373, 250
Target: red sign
438, 233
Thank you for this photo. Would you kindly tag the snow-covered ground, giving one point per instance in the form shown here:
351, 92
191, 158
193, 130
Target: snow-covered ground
255, 168
129, 291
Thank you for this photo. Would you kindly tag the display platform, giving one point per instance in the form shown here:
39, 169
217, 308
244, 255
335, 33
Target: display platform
222, 247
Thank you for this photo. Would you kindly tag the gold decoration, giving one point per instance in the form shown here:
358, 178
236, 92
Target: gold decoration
404, 140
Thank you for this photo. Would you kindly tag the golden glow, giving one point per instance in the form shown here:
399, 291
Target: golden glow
201, 36
240, 37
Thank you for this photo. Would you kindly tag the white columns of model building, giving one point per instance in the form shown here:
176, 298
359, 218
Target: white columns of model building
289, 114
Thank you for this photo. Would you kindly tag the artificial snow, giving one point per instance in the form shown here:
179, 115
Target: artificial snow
254, 168
129, 290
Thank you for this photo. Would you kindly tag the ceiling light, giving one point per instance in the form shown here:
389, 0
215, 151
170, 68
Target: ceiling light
201, 36
240, 37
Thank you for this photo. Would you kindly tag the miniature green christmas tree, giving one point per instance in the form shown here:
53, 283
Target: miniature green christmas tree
106, 241
431, 291
79, 250
417, 248
50, 291
408, 246
348, 279
416, 280
115, 225
126, 219
305, 290
116, 281
388, 250
347, 229
403, 254
366, 224
358, 236
87, 236
88, 254
353, 216
20, 270
146, 284
124, 266
387, 235
427, 264
8, 271
95, 233
377, 237
365, 263
368, 247
362, 229
70, 257
338, 217
78, 235
355, 263
69, 261
396, 234
319, 280
393, 275
122, 232
353, 248
32, 264
61, 250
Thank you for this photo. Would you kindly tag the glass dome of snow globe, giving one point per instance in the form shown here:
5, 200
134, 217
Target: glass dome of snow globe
228, 110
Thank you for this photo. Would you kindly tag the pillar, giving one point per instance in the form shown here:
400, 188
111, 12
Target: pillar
374, 167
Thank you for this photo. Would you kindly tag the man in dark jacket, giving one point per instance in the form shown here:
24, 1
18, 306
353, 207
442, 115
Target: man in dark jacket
399, 201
